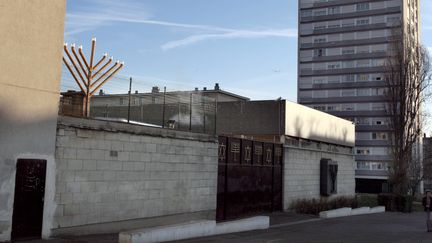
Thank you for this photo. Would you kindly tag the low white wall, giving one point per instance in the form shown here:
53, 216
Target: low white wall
302, 172
105, 174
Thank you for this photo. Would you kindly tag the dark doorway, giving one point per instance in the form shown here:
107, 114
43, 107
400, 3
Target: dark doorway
29, 199
249, 178
373, 186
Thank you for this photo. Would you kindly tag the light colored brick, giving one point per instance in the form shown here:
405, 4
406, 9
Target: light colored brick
89, 164
69, 153
84, 154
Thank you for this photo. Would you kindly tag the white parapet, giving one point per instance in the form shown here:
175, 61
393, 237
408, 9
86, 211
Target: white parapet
193, 229
253, 223
379, 209
340, 212
360, 211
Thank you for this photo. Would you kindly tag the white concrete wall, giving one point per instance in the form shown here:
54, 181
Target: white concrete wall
174, 173
307, 123
302, 173
30, 61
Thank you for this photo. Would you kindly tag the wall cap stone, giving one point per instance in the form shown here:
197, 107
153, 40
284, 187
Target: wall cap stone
111, 126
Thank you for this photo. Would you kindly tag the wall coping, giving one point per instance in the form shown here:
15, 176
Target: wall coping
112, 126
317, 150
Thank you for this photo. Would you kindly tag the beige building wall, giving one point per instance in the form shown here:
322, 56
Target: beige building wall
31, 40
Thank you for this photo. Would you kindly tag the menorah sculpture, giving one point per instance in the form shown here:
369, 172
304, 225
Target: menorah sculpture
84, 72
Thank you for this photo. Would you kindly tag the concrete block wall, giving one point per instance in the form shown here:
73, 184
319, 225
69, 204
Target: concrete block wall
302, 173
105, 174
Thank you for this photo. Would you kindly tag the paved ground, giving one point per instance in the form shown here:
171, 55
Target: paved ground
388, 227
286, 227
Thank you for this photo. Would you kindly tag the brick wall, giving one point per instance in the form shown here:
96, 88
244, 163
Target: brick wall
106, 174
302, 172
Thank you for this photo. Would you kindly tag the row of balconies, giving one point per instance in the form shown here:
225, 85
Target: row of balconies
391, 10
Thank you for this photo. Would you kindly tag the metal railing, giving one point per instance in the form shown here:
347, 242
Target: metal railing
192, 111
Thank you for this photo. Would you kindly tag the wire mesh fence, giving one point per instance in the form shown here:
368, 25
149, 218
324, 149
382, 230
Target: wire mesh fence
191, 110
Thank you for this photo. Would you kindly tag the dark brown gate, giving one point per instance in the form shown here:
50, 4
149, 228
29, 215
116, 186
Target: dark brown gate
249, 178
29, 199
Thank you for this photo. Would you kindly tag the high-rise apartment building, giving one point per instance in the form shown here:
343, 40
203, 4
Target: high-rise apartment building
343, 46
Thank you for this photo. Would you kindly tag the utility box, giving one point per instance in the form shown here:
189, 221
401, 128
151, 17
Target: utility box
328, 177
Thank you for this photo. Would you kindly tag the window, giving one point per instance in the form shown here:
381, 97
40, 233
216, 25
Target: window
363, 63
378, 166
347, 23
362, 121
378, 91
347, 51
319, 27
363, 92
320, 12
348, 64
333, 26
362, 165
348, 92
333, 108
363, 49
378, 62
333, 93
318, 81
333, 66
319, 107
362, 21
349, 78
319, 52
122, 101
362, 6
379, 136
378, 106
320, 40
307, 13
333, 10
378, 78
363, 77
363, 107
347, 107
319, 94
333, 79
363, 151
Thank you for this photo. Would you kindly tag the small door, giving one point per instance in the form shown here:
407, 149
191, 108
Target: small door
29, 199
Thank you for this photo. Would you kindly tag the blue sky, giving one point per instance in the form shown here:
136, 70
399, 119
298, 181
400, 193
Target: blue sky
248, 46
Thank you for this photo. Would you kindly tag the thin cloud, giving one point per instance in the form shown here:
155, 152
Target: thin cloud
108, 12
232, 34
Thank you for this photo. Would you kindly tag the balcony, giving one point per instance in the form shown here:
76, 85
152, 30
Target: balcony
381, 158
372, 143
310, 4
378, 40
327, 72
380, 113
391, 10
345, 29
357, 56
345, 99
347, 85
373, 128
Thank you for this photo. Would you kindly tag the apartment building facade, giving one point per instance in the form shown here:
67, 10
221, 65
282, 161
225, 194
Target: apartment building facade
343, 46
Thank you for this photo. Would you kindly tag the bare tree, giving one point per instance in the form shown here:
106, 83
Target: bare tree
407, 81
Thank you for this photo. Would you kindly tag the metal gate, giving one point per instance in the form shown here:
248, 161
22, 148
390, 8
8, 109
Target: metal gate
249, 178
29, 199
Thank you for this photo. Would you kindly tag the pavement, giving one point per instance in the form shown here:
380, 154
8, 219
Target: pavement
294, 228
382, 227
